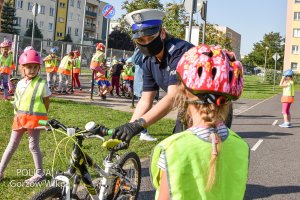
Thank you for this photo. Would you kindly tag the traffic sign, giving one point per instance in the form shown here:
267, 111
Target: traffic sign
276, 56
188, 5
108, 11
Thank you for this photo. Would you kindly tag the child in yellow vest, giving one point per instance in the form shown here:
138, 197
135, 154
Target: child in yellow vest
6, 66
51, 65
64, 71
287, 83
31, 105
208, 160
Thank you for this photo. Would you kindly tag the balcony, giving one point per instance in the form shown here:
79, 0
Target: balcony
90, 14
90, 27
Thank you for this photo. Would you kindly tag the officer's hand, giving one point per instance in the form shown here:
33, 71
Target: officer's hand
127, 131
54, 123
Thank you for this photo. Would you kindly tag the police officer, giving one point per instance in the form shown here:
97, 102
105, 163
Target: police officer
161, 52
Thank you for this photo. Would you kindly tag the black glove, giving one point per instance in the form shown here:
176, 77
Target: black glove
54, 123
127, 131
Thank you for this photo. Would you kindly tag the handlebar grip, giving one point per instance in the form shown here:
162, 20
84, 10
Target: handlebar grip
110, 132
43, 122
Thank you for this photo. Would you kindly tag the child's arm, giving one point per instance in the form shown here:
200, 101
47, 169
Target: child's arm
46, 102
283, 83
164, 189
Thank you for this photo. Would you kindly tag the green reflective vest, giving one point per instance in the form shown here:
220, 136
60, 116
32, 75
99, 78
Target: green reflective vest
289, 90
32, 103
187, 164
77, 63
66, 63
51, 63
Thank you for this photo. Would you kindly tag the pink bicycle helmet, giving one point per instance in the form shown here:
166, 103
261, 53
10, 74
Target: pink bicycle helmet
100, 46
30, 56
6, 43
211, 70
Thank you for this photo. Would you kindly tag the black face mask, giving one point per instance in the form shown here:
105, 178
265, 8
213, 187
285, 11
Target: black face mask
153, 48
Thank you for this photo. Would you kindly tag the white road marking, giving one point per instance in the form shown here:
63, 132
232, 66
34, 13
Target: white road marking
275, 122
256, 145
253, 106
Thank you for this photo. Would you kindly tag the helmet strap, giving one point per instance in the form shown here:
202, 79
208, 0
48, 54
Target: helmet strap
209, 99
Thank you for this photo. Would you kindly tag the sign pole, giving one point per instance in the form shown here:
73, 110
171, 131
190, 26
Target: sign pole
275, 57
35, 12
190, 22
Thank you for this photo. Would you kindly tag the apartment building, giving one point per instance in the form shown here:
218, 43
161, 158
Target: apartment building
75, 19
235, 39
45, 19
292, 37
60, 17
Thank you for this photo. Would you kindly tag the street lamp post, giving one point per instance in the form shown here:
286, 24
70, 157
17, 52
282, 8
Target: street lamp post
267, 48
35, 11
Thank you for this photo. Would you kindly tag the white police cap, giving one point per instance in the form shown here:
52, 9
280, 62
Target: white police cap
145, 22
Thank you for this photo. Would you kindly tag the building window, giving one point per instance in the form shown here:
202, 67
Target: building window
295, 49
297, 1
296, 15
20, 4
42, 10
28, 22
58, 34
70, 16
69, 30
78, 4
294, 66
41, 24
62, 5
30, 5
18, 21
60, 19
51, 12
296, 32
50, 26
48, 42
76, 32
72, 3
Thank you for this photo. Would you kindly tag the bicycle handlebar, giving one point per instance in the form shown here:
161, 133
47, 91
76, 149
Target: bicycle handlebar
97, 130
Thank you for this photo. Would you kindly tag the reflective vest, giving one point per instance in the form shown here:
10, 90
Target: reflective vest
6, 64
65, 65
128, 73
98, 60
76, 68
29, 107
187, 163
51, 65
289, 90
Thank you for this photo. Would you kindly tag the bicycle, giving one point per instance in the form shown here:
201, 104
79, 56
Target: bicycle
120, 179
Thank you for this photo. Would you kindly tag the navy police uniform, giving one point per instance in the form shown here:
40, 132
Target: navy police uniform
162, 74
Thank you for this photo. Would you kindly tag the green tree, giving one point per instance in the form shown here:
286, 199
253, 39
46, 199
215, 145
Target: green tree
120, 40
8, 19
215, 37
37, 31
275, 43
67, 38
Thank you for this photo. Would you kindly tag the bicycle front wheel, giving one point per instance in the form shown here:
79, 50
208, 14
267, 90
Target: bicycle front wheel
50, 193
130, 165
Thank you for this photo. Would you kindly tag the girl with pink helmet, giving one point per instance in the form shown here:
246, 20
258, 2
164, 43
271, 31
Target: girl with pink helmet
30, 105
208, 160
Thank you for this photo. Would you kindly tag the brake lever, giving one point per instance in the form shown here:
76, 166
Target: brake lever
95, 136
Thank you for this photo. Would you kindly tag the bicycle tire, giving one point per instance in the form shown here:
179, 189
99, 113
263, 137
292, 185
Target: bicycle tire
50, 192
228, 120
114, 192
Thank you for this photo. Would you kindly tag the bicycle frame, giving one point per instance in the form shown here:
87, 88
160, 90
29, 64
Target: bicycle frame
78, 162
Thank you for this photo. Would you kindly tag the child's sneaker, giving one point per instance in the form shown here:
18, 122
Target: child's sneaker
147, 137
285, 125
35, 179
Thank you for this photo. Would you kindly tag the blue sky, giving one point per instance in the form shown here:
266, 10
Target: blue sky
251, 18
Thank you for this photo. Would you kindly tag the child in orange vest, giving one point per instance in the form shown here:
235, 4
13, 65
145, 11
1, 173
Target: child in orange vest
31, 105
6, 66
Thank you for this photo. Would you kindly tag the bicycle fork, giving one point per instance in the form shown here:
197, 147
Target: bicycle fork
106, 180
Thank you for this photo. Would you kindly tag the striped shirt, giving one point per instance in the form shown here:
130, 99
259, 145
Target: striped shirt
202, 133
